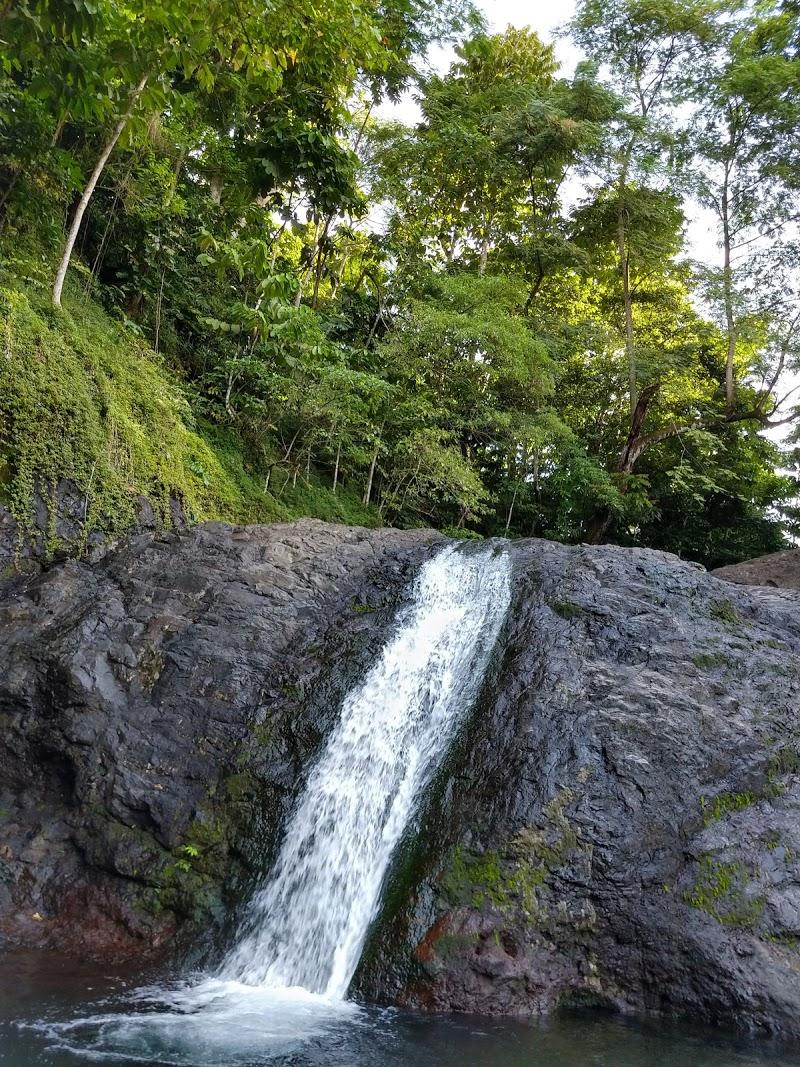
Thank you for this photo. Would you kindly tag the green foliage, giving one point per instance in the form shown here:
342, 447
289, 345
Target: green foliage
483, 359
84, 399
722, 891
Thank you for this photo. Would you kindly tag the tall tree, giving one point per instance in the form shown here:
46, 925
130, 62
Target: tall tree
647, 46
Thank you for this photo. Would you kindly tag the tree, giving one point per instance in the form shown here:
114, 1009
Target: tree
731, 153
646, 45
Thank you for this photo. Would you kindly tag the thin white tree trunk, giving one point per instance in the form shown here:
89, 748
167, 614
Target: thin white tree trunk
368, 491
80, 211
336, 468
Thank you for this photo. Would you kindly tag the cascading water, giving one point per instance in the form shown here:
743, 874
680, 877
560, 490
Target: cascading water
307, 925
284, 982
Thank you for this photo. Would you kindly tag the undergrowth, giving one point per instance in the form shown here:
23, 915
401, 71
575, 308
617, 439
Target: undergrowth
85, 398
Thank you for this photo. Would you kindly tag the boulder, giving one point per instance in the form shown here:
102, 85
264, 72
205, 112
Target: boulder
617, 823
779, 569
157, 707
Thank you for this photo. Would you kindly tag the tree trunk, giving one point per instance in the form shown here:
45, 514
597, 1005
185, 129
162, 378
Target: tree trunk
600, 523
336, 468
511, 509
83, 203
320, 263
371, 475
158, 310
633, 446
484, 249
624, 270
727, 288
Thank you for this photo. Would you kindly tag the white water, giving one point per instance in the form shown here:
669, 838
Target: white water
308, 924
284, 982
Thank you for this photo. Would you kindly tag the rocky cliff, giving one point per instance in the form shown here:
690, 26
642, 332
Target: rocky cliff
779, 569
618, 823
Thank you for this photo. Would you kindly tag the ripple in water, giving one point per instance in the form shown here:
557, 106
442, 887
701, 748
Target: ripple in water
210, 1023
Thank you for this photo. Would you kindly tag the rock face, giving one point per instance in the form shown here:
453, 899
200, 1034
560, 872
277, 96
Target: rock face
57, 526
623, 825
156, 710
780, 569
618, 823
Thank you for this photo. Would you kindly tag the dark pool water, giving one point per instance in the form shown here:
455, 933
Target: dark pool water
54, 1012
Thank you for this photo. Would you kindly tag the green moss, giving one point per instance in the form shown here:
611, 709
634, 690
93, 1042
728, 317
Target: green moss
709, 660
204, 835
263, 734
189, 882
725, 803
454, 946
724, 611
720, 891
362, 609
785, 940
473, 879
512, 877
476, 879
239, 786
785, 761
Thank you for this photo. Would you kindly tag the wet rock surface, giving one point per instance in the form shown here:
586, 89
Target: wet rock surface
156, 710
621, 826
619, 822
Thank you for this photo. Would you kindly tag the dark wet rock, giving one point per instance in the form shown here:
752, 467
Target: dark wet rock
156, 710
621, 826
619, 822
779, 569
57, 529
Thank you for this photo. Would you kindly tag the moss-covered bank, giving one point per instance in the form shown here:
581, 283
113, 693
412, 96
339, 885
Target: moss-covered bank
84, 399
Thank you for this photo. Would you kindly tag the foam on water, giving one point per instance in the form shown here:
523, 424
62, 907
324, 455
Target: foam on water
208, 1023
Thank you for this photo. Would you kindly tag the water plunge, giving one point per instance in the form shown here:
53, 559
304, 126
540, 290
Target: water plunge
307, 925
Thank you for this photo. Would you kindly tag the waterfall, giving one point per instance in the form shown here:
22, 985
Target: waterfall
307, 925
282, 986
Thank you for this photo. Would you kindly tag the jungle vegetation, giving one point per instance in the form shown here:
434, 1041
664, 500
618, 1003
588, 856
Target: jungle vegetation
226, 279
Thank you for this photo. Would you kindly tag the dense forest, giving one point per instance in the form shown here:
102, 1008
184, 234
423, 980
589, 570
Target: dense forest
227, 280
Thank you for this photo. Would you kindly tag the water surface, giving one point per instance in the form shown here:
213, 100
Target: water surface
56, 1013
